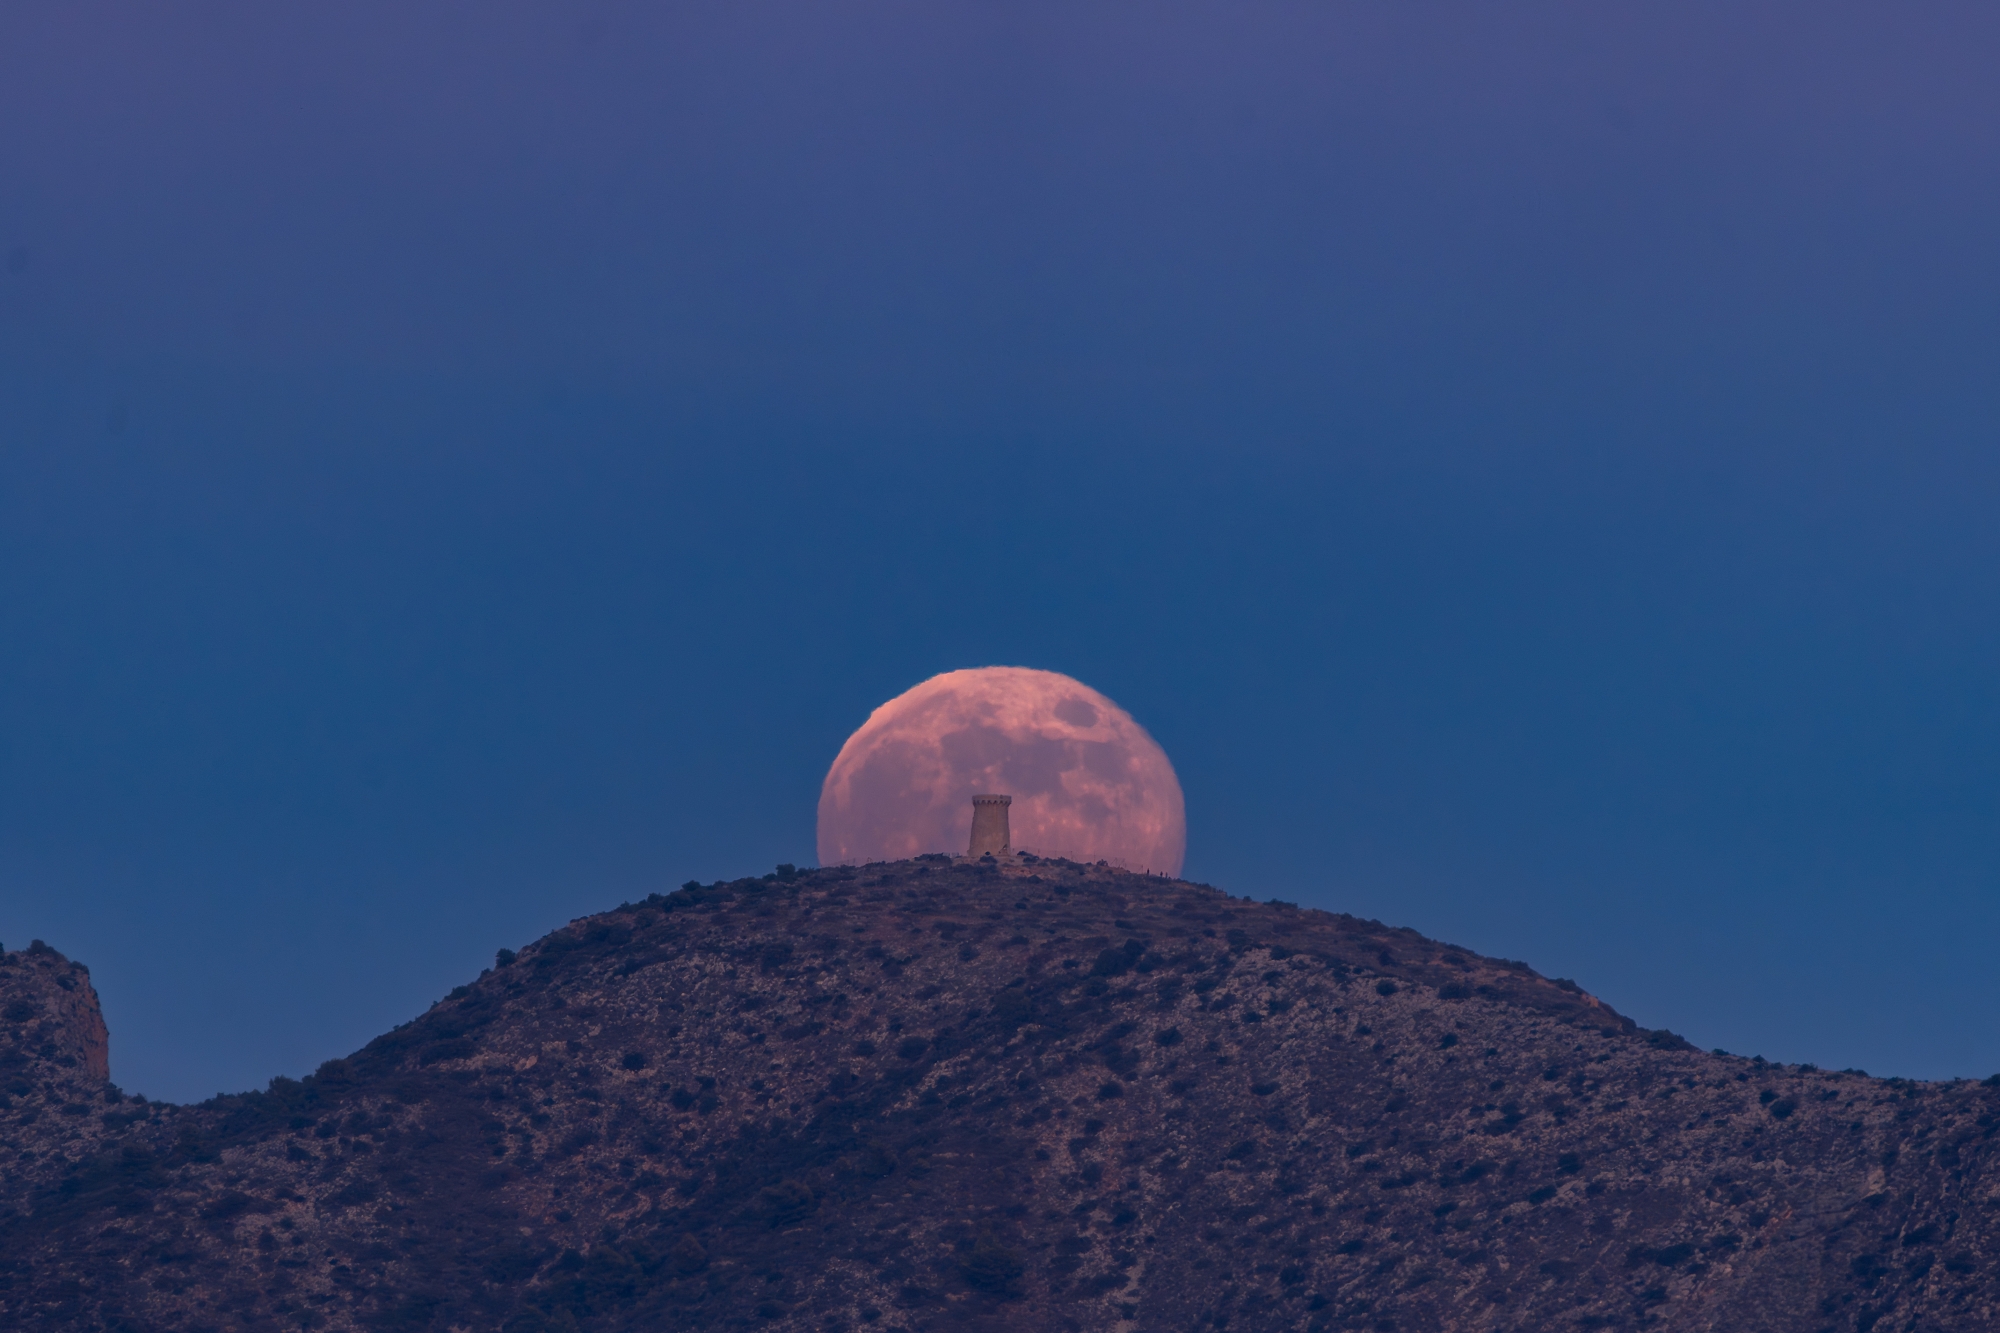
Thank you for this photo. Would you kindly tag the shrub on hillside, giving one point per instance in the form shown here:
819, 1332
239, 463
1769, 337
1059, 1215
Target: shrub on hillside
689, 1256
993, 1268
786, 1202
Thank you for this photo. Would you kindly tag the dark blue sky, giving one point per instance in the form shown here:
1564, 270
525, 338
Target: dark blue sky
1533, 467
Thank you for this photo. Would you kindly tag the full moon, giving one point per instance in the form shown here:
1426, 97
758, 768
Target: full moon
1088, 783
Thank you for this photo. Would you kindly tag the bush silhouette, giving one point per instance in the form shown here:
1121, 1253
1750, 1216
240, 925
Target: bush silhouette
786, 1202
993, 1268
689, 1256
1012, 1008
1110, 963
873, 1161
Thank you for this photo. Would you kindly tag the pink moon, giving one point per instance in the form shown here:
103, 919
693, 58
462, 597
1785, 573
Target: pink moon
1088, 783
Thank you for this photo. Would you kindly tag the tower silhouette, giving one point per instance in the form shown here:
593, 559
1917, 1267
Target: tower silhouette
989, 825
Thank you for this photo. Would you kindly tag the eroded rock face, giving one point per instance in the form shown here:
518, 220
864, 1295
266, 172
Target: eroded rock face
51, 1015
935, 1095
53, 1063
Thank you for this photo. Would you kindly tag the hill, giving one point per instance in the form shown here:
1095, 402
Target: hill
938, 1095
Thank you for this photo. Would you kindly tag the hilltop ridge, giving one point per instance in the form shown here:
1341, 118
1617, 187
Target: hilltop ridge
945, 1094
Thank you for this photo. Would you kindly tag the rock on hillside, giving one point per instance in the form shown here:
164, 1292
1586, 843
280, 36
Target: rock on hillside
52, 1015
54, 1059
938, 1095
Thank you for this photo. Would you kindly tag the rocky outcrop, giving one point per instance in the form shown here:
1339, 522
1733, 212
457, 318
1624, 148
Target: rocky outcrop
1034, 1095
54, 1056
51, 1015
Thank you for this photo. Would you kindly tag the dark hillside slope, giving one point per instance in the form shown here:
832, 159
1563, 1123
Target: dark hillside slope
934, 1095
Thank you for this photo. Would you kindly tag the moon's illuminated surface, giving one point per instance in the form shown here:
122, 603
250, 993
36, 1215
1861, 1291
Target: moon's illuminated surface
1088, 783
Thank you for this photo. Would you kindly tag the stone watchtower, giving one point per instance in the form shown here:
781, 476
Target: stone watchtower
989, 826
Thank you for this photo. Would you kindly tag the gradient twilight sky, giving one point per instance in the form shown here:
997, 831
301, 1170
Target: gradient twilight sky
1534, 469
